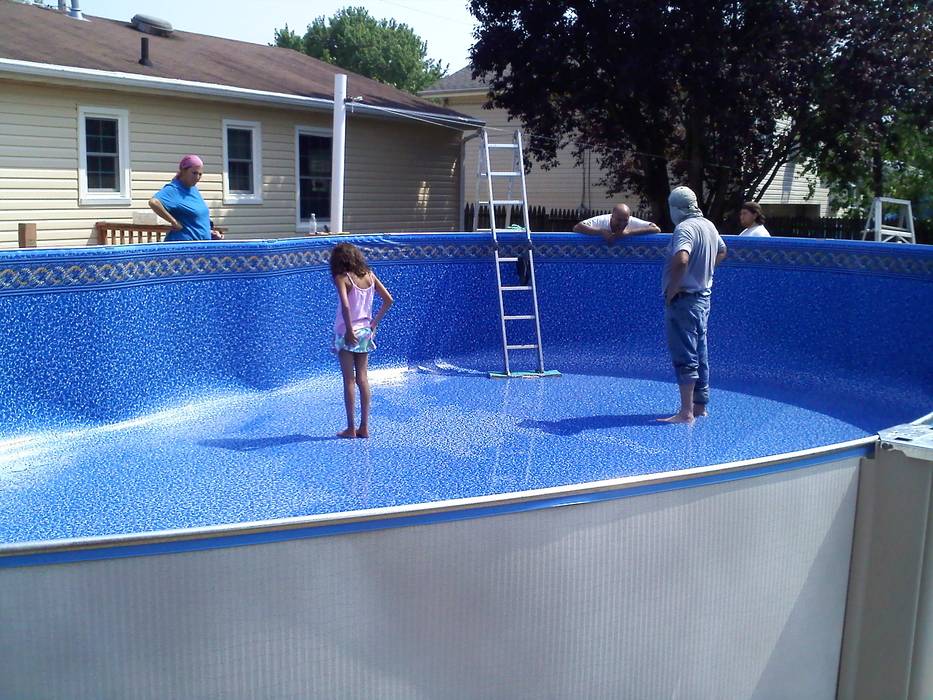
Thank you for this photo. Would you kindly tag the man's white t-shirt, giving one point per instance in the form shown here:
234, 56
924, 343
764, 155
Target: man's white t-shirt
756, 230
601, 222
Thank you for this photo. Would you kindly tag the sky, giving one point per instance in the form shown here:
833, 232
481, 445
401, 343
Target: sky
446, 25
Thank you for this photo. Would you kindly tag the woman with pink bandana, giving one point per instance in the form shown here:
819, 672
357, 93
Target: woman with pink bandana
182, 206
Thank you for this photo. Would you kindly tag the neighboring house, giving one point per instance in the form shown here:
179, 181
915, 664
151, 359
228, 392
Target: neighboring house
88, 133
570, 185
566, 186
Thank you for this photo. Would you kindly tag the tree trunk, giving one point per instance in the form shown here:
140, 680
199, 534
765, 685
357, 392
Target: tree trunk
877, 171
719, 202
695, 149
657, 190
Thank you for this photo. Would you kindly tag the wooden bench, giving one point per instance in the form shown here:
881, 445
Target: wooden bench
115, 233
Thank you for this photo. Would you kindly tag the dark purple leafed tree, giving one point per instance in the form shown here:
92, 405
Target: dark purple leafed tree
713, 94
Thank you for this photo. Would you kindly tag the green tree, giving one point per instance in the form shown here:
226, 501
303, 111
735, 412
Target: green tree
288, 39
872, 134
380, 49
906, 172
717, 94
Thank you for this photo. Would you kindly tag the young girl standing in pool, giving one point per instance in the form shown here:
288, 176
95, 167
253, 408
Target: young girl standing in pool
355, 328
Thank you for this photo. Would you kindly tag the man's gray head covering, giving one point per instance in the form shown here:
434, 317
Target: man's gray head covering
683, 204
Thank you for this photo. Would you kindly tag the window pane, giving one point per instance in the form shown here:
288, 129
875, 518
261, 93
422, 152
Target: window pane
314, 167
108, 144
315, 197
102, 173
241, 177
108, 128
314, 154
101, 127
239, 144
101, 135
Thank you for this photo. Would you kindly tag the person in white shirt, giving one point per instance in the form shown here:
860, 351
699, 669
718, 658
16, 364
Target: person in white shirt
753, 220
615, 225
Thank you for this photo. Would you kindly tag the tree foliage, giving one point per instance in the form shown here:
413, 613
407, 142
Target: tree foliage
288, 39
906, 172
714, 94
380, 49
872, 134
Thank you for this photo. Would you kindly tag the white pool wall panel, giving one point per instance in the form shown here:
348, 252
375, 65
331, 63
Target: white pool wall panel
727, 590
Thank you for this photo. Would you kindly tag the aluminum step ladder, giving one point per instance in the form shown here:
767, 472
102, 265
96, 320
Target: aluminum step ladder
514, 179
900, 231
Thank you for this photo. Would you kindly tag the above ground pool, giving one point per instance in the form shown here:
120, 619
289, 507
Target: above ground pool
160, 388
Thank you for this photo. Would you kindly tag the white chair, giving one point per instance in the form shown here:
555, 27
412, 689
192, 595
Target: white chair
901, 231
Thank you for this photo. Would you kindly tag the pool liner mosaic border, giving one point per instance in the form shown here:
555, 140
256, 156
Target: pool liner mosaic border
124, 266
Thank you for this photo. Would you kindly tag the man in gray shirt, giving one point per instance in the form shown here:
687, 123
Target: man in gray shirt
692, 255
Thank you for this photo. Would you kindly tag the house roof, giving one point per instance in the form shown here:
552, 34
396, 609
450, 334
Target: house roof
42, 35
461, 81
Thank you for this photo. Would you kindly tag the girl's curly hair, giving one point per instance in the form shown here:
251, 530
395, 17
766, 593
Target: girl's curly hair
346, 257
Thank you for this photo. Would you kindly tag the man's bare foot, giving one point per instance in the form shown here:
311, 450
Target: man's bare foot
348, 433
362, 431
699, 410
678, 418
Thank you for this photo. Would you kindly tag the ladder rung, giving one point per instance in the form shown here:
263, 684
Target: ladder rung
521, 347
502, 145
512, 202
522, 317
515, 289
503, 260
505, 174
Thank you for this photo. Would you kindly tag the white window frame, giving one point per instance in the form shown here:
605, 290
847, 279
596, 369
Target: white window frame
85, 196
305, 226
238, 197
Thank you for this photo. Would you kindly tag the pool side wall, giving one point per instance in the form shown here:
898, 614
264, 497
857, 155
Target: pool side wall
731, 589
105, 334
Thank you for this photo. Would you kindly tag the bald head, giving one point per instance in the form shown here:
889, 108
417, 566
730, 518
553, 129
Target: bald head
619, 219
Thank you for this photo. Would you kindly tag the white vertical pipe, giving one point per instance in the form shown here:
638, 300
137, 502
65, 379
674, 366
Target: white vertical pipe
461, 190
337, 153
463, 176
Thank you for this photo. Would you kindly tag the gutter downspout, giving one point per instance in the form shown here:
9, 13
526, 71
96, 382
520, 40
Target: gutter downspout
338, 152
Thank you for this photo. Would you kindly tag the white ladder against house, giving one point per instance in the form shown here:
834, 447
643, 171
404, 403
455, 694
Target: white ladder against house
513, 176
902, 231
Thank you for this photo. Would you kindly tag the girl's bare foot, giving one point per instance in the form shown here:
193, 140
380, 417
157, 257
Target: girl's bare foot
678, 418
362, 431
699, 410
348, 433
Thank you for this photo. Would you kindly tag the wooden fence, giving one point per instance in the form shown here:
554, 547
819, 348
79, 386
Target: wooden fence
795, 227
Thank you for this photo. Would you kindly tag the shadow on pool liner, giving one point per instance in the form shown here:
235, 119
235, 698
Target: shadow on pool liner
573, 426
252, 444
